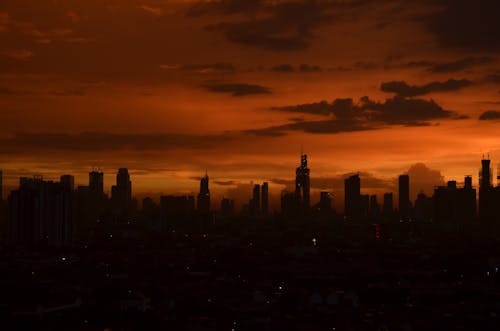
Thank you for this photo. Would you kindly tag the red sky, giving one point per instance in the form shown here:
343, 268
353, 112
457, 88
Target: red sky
238, 87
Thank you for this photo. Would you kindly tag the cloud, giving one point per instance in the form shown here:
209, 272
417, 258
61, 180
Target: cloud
17, 54
152, 10
283, 68
492, 78
490, 115
346, 116
66, 93
235, 89
403, 89
207, 68
466, 25
276, 26
104, 141
422, 178
460, 65
8, 91
309, 68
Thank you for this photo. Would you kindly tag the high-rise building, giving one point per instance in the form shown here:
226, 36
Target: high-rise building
96, 182
302, 183
68, 182
176, 212
404, 197
352, 197
388, 207
41, 213
325, 201
487, 203
227, 207
1, 185
454, 206
204, 196
265, 198
121, 193
256, 199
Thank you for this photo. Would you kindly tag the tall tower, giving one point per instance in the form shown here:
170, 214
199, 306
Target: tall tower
122, 191
302, 183
265, 198
96, 182
204, 196
352, 197
1, 186
404, 196
487, 199
256, 198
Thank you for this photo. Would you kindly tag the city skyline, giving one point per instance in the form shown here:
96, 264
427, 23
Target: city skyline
382, 85
403, 185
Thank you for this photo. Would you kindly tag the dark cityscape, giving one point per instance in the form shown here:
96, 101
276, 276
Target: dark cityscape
74, 258
241, 165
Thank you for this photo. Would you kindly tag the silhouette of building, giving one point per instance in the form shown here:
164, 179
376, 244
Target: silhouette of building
121, 193
388, 207
488, 195
41, 213
265, 198
302, 184
454, 206
352, 197
374, 208
204, 196
68, 182
96, 182
404, 197
177, 212
289, 205
227, 207
254, 203
424, 208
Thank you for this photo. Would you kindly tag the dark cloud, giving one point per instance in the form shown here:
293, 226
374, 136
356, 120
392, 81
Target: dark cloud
460, 65
492, 78
309, 68
490, 115
211, 67
275, 26
103, 141
283, 68
466, 25
236, 90
347, 116
403, 89
9, 91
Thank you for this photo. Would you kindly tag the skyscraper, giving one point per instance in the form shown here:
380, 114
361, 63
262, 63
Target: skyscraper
487, 194
302, 183
352, 197
96, 183
122, 191
404, 197
256, 199
388, 207
204, 196
68, 182
265, 198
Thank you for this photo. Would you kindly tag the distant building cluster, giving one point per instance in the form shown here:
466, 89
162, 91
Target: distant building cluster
55, 213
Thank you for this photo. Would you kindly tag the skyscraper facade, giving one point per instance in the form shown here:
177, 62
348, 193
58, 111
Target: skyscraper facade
204, 196
121, 193
265, 198
352, 197
302, 184
404, 196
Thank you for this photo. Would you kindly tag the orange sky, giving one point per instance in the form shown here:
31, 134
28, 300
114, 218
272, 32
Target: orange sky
171, 88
